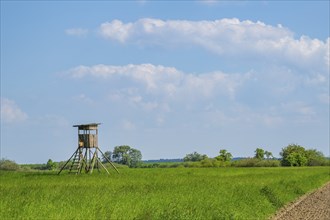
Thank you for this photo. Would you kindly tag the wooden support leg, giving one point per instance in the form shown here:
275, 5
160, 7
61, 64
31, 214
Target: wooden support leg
107, 160
68, 161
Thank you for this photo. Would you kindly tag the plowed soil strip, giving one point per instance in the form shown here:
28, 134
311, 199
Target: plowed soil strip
315, 205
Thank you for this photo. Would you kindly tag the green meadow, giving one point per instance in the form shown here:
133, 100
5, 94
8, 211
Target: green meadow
169, 193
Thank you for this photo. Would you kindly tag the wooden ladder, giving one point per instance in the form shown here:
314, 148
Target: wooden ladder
76, 163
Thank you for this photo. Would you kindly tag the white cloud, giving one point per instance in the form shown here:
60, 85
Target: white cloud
117, 30
226, 37
271, 97
166, 81
10, 112
80, 32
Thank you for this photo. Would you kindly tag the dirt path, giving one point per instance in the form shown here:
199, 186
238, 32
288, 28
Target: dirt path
315, 205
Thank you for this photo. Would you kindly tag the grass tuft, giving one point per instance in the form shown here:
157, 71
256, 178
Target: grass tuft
271, 196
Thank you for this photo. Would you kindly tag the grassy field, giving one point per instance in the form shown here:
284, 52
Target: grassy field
178, 193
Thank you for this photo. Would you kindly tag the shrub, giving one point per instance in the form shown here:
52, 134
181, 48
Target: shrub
51, 165
8, 165
254, 162
163, 165
174, 165
217, 163
61, 164
207, 163
268, 163
315, 158
249, 162
192, 164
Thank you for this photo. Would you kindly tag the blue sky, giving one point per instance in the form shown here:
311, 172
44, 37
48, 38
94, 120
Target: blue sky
167, 78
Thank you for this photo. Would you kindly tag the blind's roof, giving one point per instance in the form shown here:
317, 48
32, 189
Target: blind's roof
91, 126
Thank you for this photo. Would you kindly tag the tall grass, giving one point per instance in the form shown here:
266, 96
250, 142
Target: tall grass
194, 193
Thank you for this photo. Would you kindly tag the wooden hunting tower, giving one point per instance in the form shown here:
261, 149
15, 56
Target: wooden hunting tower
85, 158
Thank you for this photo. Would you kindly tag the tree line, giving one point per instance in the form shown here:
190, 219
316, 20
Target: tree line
126, 156
291, 155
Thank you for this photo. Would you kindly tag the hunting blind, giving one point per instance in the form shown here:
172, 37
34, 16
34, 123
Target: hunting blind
85, 158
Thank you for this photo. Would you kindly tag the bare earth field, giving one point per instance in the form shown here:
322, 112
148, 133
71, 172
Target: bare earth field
315, 205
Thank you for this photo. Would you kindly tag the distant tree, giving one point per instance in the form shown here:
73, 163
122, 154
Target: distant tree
224, 156
50, 165
269, 155
135, 157
194, 157
107, 155
126, 155
315, 158
294, 155
120, 154
259, 153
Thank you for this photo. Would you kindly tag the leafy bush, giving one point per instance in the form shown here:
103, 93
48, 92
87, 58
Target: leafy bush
268, 163
207, 163
254, 162
61, 164
8, 165
192, 164
248, 162
174, 165
315, 158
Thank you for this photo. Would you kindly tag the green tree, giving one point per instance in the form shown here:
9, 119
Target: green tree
107, 155
293, 155
135, 157
126, 155
194, 157
297, 159
268, 155
50, 165
259, 153
120, 154
224, 156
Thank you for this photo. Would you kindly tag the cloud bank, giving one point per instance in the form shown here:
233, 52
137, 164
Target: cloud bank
225, 37
169, 81
223, 98
287, 78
